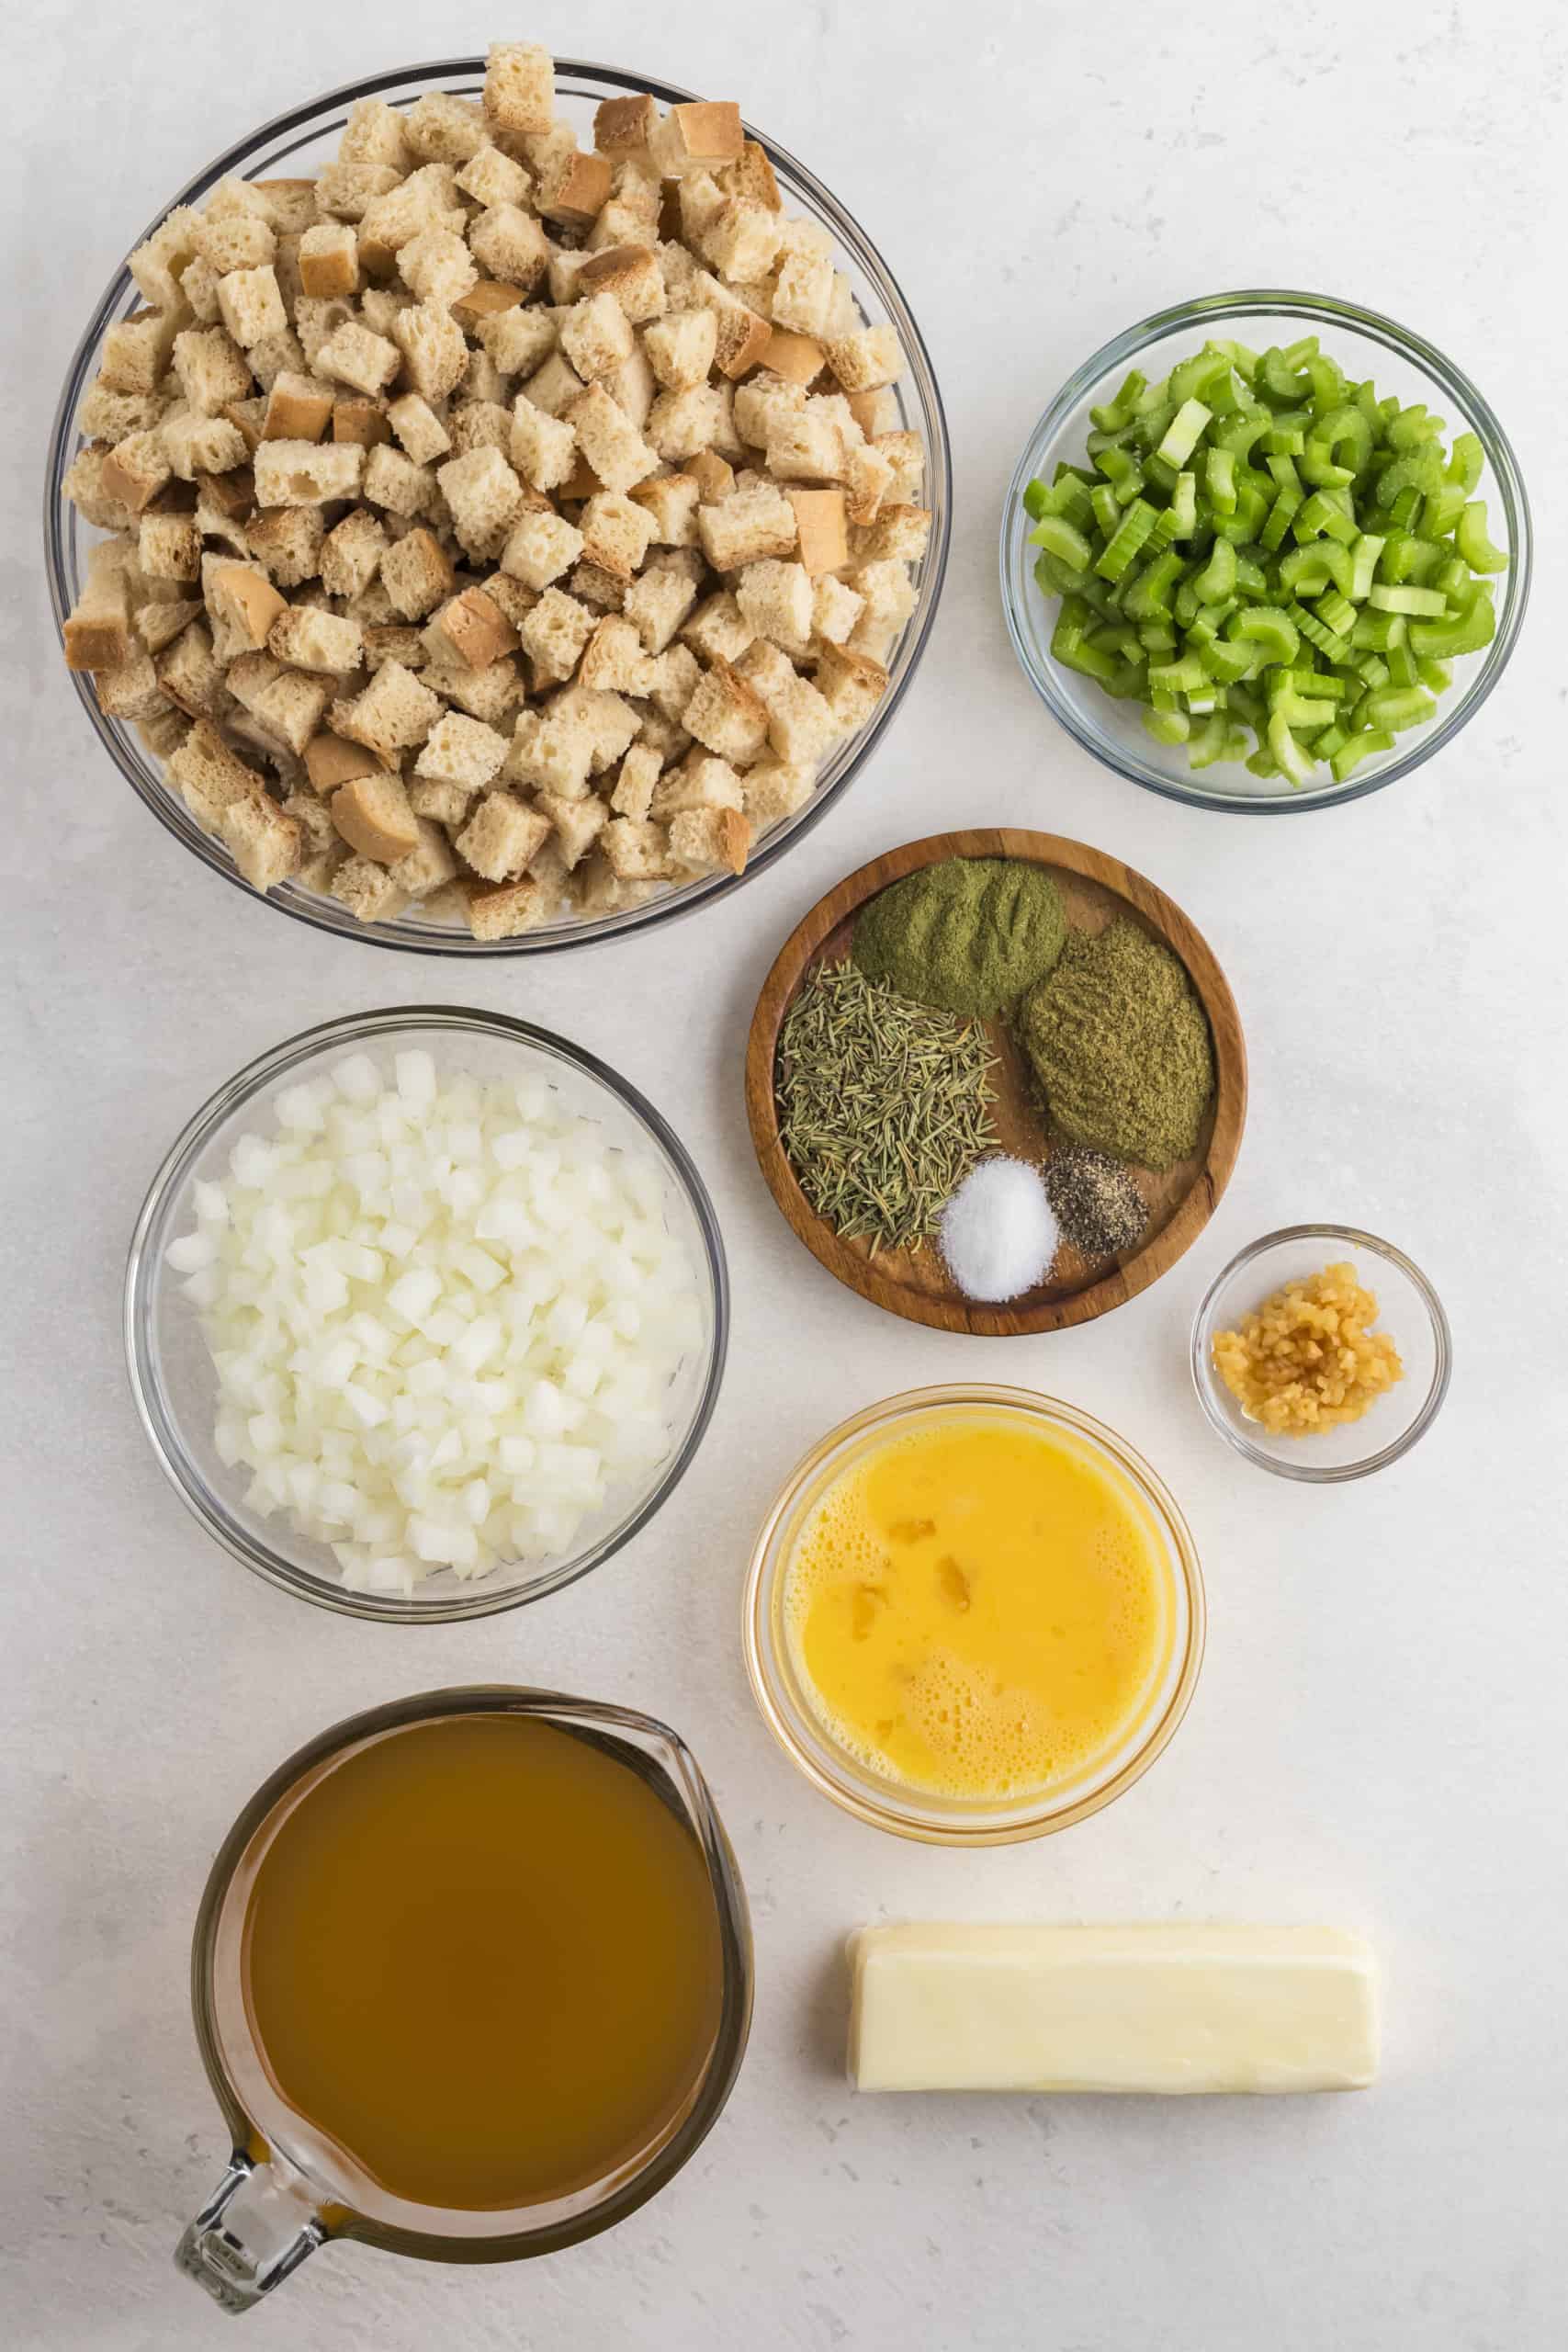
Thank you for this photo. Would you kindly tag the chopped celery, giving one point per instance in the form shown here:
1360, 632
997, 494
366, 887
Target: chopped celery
1276, 564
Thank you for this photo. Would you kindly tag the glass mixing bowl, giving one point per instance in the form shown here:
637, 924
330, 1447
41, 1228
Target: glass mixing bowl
1365, 344
936, 1820
1409, 1310
296, 144
172, 1375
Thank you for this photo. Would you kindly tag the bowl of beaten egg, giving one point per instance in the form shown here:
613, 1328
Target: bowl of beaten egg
973, 1615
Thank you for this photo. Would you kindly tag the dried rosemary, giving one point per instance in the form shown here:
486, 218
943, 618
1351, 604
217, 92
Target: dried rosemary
883, 1105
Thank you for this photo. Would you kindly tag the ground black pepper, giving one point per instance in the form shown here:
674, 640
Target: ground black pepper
1095, 1201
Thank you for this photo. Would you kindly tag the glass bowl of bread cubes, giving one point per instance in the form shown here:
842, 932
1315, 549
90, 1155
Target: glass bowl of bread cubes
498, 504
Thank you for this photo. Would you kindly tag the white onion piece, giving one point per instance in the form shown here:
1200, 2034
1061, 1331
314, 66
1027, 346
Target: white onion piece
444, 1313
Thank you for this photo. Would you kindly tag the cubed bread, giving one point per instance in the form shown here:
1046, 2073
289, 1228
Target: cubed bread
442, 128
899, 534
434, 353
835, 609
656, 605
540, 546
416, 573
596, 336
774, 789
307, 473
298, 408
360, 420
631, 273
502, 910
708, 841
418, 429
394, 712
616, 533
136, 351
353, 355
472, 630
134, 472
462, 750
866, 359
366, 890
519, 88
821, 529
501, 837
373, 815
697, 136
168, 547
491, 177
850, 684
543, 448
508, 244
329, 260
613, 658
352, 552
718, 630
609, 440
554, 635
574, 188
727, 715
228, 798
484, 496
428, 865
331, 760
244, 602
250, 306
748, 526
210, 369
395, 482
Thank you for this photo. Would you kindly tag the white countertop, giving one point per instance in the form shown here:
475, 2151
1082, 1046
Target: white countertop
1377, 1737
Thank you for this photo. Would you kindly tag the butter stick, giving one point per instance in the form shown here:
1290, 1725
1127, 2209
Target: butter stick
1161, 2008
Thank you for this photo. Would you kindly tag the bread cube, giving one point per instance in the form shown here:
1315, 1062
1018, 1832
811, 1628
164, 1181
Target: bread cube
554, 634
616, 532
609, 441
596, 336
520, 87
501, 837
866, 359
353, 355
543, 448
442, 128
708, 841
394, 712
307, 638
718, 630
613, 658
821, 529
540, 547
485, 498
306, 473
416, 573
373, 815
656, 605
746, 528
509, 243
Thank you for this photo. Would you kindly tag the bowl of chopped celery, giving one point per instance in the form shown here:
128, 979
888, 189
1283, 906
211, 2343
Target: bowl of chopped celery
1266, 551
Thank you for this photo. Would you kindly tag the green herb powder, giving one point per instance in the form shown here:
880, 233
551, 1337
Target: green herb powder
1121, 1046
970, 934
884, 1106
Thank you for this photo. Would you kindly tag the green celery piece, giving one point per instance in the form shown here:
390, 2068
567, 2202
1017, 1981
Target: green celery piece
1365, 397
1406, 558
1208, 746
1401, 665
1072, 500
1318, 633
1168, 726
1074, 653
1436, 676
1375, 632
1337, 612
1250, 577
1268, 627
1321, 683
1331, 739
1289, 757
1304, 569
1340, 446
1444, 641
1374, 671
1057, 535
1226, 663
1123, 471
1149, 597
1183, 677
1280, 517
1328, 380
1320, 518
1106, 508
1344, 762
1187, 603
1427, 604
1395, 709
1190, 377
1285, 441
1412, 427
1419, 469
1127, 539
1184, 432
1154, 637
1119, 638
1298, 710
1467, 461
1276, 379
1262, 763
1184, 507
1245, 705
1036, 498
1474, 544
1405, 508
1162, 475
1120, 410
1238, 433
1282, 474
1364, 559
1458, 582
1247, 520
1441, 510
1219, 472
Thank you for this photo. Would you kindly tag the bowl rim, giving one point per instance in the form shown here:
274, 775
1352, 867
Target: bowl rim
898, 1814
1321, 310
142, 1265
703, 892
1338, 1474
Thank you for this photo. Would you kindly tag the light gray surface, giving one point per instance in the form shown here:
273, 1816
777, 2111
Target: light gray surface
1377, 1737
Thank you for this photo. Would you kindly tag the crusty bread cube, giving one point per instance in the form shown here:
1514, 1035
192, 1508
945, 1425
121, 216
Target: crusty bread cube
485, 498
636, 851
233, 240
427, 198
438, 804
417, 426
555, 386
635, 782
353, 355
708, 841
808, 446
242, 602
743, 242
356, 419
803, 291
574, 188
682, 423
491, 177
680, 348
697, 136
416, 573
835, 609
395, 482
746, 528
774, 789
596, 336
793, 358
592, 584
134, 472
428, 865
462, 750
352, 552
890, 600
228, 798
374, 134
905, 452
250, 306
394, 712
520, 88
718, 630
168, 547
609, 441
309, 639
98, 505
502, 910
478, 424
285, 704
868, 479
501, 837
669, 501
373, 815
899, 534
99, 633
211, 369
188, 671
700, 782
328, 260
509, 243
158, 263
436, 267
554, 634
519, 340
434, 353
613, 658
656, 605
540, 547
634, 386
306, 473
200, 445
611, 722
491, 694
625, 125
575, 825
472, 630
867, 359
821, 529
331, 760
298, 408
852, 685
366, 890
631, 273
347, 189
442, 128
551, 749
727, 715
616, 532
543, 447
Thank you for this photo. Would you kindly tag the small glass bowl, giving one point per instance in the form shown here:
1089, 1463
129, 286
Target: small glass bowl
296, 144
171, 1370
884, 1804
1409, 1310
1366, 344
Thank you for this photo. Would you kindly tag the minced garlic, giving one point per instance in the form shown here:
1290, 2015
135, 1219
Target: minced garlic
1305, 1360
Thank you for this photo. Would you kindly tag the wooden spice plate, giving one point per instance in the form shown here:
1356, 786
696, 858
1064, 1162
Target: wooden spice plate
914, 1283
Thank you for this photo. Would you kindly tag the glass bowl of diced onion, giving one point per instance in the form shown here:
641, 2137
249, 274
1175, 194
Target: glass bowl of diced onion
296, 144
635, 1412
1365, 345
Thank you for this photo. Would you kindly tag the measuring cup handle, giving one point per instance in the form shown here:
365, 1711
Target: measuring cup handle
255, 2229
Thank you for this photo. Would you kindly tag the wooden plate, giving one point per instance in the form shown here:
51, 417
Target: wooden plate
914, 1283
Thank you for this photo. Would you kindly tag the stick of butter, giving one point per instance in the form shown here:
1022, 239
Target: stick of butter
1166, 2008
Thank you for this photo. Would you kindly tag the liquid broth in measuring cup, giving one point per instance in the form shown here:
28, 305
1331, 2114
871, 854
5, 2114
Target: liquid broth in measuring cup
482, 1961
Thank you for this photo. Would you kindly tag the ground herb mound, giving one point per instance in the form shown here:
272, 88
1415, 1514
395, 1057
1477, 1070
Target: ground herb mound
1120, 1046
968, 935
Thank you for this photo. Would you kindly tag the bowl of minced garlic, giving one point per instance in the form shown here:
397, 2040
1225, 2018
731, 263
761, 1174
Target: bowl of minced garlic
1311, 1369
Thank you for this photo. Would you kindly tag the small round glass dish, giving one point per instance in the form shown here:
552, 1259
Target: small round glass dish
1365, 344
295, 145
934, 1819
1409, 1310
172, 1375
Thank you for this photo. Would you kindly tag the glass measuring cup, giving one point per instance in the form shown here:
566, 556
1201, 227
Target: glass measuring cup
286, 2190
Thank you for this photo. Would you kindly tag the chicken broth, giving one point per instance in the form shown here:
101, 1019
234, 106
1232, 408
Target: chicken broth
482, 1957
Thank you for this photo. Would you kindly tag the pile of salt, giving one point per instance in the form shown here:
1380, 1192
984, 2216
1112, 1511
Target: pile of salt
999, 1233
